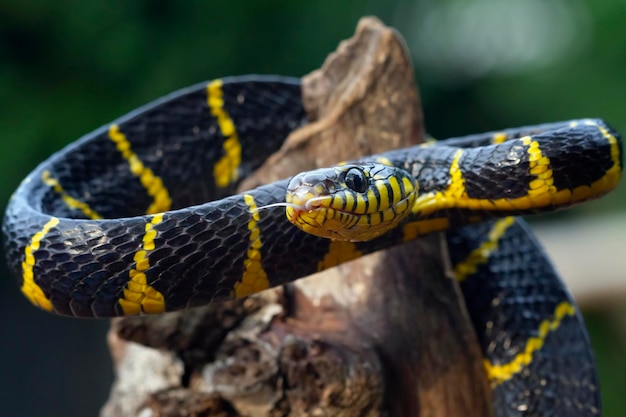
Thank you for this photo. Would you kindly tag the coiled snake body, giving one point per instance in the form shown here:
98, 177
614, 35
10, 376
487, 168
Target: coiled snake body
118, 223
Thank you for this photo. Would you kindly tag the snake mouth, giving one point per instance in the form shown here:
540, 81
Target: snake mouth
305, 199
318, 217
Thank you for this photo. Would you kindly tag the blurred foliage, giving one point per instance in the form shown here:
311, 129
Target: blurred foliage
69, 66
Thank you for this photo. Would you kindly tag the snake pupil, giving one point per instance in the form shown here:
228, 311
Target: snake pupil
356, 180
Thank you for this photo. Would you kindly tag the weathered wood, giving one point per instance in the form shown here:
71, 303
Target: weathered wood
362, 101
383, 335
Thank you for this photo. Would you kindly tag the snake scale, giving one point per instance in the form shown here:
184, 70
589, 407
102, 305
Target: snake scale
139, 217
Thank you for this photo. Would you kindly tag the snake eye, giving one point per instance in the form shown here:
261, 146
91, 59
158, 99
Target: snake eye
356, 180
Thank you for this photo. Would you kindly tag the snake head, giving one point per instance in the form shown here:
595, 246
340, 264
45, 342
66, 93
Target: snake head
354, 202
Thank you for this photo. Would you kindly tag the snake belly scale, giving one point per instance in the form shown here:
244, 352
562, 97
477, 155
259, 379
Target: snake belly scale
139, 216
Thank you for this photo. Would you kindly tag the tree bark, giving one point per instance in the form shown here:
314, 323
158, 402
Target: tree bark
385, 335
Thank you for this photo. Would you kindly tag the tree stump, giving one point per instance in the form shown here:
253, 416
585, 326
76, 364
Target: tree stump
385, 335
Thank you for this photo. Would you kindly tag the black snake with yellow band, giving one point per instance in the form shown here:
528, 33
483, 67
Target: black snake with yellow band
118, 222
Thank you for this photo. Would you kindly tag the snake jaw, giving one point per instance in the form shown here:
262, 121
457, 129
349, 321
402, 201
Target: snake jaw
308, 200
305, 198
356, 202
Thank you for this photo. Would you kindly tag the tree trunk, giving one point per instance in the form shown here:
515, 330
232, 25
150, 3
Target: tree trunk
385, 335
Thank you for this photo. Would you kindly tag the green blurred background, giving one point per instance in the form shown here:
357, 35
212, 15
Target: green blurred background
69, 66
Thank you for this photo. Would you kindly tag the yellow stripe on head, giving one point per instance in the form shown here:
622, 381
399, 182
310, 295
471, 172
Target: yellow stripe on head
384, 199
396, 189
362, 204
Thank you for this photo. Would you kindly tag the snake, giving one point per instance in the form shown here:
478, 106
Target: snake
142, 216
